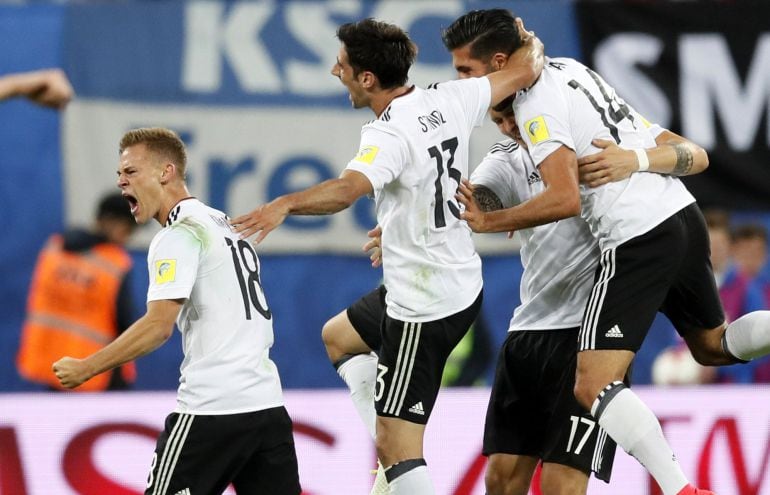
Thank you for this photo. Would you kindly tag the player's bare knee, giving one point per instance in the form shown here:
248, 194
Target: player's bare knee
585, 392
497, 483
331, 339
386, 449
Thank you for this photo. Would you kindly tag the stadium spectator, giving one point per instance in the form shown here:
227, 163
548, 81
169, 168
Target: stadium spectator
47, 87
736, 288
654, 252
411, 160
230, 425
749, 248
79, 299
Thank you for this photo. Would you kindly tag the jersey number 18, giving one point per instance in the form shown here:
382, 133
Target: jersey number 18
245, 259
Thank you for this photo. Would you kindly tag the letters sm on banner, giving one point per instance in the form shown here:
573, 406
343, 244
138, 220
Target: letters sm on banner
97, 444
701, 70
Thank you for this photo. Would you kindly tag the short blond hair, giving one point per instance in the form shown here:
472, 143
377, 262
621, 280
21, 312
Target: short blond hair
158, 140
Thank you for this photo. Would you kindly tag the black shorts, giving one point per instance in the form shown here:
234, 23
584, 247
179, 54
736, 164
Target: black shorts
412, 359
667, 270
533, 411
205, 453
366, 315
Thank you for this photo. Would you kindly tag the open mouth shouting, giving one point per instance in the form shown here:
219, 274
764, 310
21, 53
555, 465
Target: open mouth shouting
132, 203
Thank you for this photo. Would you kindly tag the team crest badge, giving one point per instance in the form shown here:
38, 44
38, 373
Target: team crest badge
367, 154
537, 130
165, 271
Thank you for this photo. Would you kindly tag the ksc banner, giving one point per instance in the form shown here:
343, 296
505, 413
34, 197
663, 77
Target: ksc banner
248, 86
703, 70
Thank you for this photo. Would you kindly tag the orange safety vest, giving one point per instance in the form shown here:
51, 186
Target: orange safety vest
72, 310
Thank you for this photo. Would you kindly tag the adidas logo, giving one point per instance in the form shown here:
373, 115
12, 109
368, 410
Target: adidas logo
417, 409
533, 177
186, 491
614, 332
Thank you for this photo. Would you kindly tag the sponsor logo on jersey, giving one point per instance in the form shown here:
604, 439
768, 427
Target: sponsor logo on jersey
186, 491
165, 271
537, 130
367, 154
417, 409
614, 333
533, 177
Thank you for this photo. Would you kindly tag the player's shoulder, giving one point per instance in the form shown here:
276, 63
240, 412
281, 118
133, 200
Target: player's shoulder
192, 218
467, 85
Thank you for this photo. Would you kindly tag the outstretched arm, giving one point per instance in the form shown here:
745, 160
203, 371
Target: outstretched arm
673, 155
325, 198
48, 87
147, 334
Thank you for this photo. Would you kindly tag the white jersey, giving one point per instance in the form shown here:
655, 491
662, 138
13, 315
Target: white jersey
414, 155
570, 105
559, 258
225, 322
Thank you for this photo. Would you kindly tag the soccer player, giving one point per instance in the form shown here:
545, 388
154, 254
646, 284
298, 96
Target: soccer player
207, 279
411, 159
654, 249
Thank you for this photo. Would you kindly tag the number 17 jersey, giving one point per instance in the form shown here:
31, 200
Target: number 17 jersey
226, 324
415, 155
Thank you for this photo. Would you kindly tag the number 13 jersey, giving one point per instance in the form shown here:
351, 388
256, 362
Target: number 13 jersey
226, 325
571, 105
415, 155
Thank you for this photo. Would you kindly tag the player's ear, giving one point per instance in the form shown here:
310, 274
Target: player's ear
499, 60
367, 79
167, 172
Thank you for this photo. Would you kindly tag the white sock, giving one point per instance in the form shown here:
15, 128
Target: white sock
633, 426
748, 337
359, 373
415, 481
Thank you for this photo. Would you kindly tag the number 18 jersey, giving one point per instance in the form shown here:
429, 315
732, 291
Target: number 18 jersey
415, 155
571, 105
226, 325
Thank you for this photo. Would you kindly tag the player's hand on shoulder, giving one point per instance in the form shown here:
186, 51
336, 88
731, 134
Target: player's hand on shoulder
71, 372
611, 164
261, 221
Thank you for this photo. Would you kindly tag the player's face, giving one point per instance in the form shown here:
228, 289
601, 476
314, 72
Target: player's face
344, 72
467, 66
506, 123
140, 178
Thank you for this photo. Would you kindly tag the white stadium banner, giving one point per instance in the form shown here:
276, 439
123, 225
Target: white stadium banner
91, 444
